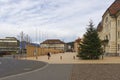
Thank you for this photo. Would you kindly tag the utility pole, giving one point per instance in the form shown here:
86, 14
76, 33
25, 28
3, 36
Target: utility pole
22, 36
36, 46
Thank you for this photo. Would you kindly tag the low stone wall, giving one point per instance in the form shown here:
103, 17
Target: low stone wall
33, 51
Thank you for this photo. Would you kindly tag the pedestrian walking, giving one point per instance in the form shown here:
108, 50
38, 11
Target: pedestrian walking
48, 55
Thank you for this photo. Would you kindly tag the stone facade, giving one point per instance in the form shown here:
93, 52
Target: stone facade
77, 45
109, 29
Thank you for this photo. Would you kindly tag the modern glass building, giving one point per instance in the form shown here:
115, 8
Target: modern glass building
9, 45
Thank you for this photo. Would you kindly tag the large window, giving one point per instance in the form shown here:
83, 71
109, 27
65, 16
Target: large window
109, 37
119, 35
106, 19
118, 47
106, 37
118, 23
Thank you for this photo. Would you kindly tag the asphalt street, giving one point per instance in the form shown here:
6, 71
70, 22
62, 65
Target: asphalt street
43, 71
57, 69
12, 66
52, 72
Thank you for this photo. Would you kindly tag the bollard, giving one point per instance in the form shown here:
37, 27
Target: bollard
102, 57
61, 57
74, 57
36, 57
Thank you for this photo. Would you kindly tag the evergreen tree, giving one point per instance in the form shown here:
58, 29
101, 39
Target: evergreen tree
90, 48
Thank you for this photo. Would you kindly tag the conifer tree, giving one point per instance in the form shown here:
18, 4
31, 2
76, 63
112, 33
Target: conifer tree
90, 48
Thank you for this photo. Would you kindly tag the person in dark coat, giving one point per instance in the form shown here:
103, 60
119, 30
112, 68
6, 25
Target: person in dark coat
48, 55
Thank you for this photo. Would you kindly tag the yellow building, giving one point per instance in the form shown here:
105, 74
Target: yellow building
109, 29
54, 43
33, 50
77, 44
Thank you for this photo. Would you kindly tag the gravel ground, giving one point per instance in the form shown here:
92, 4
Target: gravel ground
96, 72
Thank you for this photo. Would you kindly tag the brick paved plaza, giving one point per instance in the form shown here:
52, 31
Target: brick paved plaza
106, 69
96, 72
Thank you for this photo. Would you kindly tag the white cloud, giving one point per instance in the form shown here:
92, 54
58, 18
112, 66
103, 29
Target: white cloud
64, 19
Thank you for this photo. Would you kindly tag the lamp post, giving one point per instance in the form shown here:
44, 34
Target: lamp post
36, 54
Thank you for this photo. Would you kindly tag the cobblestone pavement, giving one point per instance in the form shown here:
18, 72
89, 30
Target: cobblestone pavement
96, 72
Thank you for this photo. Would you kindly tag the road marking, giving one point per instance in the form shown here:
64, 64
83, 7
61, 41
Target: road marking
27, 69
15, 75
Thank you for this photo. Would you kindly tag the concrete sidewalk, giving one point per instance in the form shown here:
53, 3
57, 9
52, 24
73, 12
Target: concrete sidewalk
70, 58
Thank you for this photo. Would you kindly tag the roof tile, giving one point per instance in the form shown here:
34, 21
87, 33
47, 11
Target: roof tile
115, 7
53, 41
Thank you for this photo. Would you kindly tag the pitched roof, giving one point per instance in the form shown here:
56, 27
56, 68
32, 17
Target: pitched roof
114, 8
78, 40
53, 41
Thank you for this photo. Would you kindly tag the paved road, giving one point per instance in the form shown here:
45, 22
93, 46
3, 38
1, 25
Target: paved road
65, 69
71, 72
96, 72
52, 72
11, 66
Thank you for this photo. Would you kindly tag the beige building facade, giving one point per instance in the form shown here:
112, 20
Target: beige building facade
77, 45
32, 51
53, 43
109, 29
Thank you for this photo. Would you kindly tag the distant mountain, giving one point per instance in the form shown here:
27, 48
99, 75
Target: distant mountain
35, 44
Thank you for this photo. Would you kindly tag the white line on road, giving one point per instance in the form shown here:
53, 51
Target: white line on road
14, 75
27, 69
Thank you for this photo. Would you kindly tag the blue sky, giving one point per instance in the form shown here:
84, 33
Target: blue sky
50, 19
